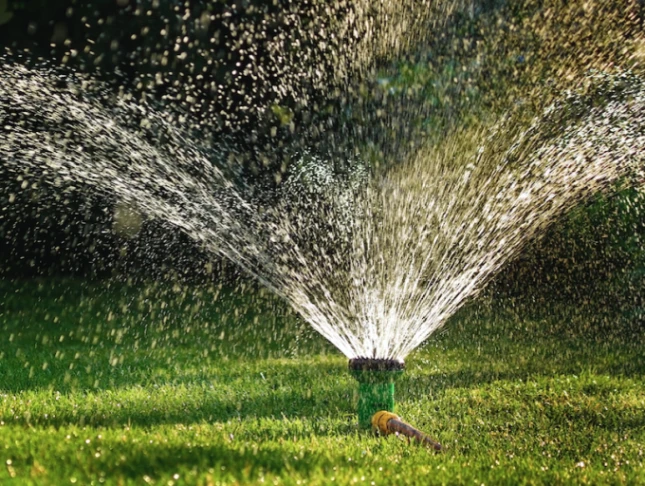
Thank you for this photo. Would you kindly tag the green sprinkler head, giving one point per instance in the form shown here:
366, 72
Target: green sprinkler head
375, 386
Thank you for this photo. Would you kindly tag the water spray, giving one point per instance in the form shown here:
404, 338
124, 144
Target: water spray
376, 379
389, 423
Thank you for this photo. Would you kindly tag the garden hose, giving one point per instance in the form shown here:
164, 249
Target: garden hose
389, 423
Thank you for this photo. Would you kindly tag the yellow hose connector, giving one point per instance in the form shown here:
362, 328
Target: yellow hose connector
389, 423
380, 420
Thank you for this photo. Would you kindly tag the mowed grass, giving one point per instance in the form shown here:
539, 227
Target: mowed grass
109, 383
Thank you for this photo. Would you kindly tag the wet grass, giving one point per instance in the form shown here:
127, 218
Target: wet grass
108, 383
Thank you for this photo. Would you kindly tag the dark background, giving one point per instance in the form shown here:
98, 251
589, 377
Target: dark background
594, 256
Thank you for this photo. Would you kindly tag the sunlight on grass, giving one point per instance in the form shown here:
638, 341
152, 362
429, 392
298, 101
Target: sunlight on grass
134, 398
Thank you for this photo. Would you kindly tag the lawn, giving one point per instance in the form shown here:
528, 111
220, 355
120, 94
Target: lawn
115, 383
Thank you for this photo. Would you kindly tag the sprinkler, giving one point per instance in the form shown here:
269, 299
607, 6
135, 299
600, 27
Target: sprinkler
375, 386
389, 423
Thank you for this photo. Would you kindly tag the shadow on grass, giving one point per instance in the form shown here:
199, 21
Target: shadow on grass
422, 384
238, 464
289, 391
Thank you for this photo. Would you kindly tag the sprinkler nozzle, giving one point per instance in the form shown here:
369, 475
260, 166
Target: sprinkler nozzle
376, 364
389, 423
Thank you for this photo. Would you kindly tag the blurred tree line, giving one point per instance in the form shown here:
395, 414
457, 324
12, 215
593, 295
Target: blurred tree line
151, 48
489, 58
183, 56
594, 258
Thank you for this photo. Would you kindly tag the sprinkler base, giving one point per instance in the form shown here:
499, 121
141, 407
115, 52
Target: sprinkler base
376, 379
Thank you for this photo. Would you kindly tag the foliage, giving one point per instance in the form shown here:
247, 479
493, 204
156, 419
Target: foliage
64, 230
594, 257
514, 58
495, 57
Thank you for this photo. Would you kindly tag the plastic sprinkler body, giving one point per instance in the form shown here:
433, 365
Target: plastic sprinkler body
389, 423
376, 379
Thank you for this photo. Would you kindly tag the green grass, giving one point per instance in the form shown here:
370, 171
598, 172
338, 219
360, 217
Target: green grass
107, 383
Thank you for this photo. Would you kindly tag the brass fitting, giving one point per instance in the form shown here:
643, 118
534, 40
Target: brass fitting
389, 423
